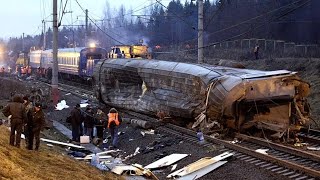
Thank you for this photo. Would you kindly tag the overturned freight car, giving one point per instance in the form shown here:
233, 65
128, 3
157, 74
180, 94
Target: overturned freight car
205, 94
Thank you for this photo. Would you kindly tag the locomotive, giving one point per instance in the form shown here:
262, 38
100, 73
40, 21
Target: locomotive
129, 51
204, 96
72, 62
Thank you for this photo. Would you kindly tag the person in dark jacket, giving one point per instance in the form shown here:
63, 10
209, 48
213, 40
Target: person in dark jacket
18, 117
27, 128
36, 120
89, 122
101, 119
76, 123
114, 120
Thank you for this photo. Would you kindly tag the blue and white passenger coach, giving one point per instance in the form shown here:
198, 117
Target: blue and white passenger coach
78, 61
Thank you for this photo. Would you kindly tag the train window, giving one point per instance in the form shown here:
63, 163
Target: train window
94, 56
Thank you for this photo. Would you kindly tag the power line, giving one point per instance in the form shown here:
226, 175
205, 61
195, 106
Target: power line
248, 20
239, 35
63, 12
183, 20
98, 26
133, 11
264, 14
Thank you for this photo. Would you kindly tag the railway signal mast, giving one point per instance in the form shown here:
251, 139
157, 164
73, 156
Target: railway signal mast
54, 81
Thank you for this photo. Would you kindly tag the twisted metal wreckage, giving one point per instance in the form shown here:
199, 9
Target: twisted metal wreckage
206, 95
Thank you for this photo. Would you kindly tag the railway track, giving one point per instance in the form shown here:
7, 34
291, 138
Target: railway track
310, 136
283, 160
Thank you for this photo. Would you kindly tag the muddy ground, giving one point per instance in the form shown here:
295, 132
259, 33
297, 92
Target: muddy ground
131, 138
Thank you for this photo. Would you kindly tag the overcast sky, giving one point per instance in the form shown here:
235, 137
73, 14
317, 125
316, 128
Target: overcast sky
25, 16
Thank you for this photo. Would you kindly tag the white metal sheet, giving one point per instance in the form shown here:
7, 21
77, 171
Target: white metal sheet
200, 164
201, 172
166, 161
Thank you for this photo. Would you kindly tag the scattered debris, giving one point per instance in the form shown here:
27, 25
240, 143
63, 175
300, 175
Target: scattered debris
133, 170
120, 133
235, 141
61, 143
166, 161
201, 167
134, 154
68, 94
201, 172
262, 151
141, 123
84, 105
151, 132
61, 105
104, 152
93, 157
95, 161
83, 101
299, 144
174, 167
314, 148
77, 154
84, 139
50, 145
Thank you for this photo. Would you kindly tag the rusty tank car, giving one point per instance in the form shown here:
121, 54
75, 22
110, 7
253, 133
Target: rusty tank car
206, 95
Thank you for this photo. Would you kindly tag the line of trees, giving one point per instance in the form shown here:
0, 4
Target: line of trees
176, 24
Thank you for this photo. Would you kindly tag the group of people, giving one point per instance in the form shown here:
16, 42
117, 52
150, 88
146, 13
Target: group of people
27, 118
84, 123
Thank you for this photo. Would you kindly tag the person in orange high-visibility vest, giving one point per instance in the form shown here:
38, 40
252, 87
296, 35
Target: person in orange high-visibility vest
114, 120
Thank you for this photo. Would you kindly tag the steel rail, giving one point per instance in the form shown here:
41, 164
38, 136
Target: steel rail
279, 147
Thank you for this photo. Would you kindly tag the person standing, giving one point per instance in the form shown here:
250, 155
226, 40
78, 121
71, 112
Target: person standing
36, 120
76, 123
256, 51
27, 128
100, 123
114, 121
18, 118
88, 122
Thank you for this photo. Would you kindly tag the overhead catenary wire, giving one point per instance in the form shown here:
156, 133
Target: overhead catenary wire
233, 37
133, 11
98, 26
246, 21
63, 12
183, 20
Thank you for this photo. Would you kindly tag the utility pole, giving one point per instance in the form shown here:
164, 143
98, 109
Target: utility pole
44, 35
200, 32
54, 81
86, 33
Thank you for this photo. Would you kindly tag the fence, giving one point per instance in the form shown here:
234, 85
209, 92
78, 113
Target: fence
267, 48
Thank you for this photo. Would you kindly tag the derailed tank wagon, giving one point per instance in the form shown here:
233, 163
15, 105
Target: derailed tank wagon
206, 95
